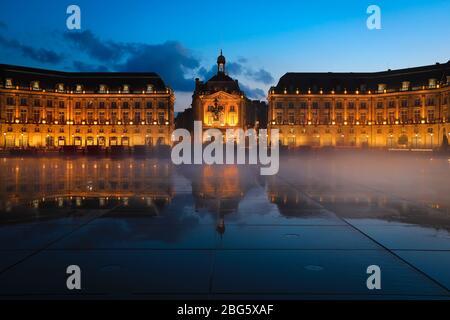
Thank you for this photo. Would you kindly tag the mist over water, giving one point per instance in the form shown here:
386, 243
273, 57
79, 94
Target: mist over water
350, 184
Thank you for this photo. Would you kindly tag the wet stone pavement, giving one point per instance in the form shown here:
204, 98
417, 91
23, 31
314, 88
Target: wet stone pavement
146, 229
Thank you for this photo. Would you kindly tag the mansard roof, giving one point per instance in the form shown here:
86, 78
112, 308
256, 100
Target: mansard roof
362, 81
90, 81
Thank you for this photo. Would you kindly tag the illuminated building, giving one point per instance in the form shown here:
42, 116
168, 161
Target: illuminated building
406, 108
219, 102
50, 109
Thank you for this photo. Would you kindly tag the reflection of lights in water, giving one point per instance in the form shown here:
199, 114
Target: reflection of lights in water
125, 201
60, 202
149, 202
78, 201
35, 204
102, 202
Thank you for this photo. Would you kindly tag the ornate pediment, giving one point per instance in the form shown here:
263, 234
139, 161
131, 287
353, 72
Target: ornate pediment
221, 95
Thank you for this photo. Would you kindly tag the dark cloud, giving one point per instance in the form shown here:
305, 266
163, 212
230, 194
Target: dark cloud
253, 93
38, 54
170, 59
261, 75
100, 50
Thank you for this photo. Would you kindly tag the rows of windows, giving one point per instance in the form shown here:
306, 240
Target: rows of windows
101, 117
11, 101
325, 117
417, 102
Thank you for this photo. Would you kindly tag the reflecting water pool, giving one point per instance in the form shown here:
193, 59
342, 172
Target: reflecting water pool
143, 228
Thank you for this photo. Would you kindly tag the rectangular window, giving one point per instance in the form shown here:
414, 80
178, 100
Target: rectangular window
417, 116
326, 116
291, 118
379, 117
149, 105
78, 117
339, 105
351, 118
9, 115
61, 104
10, 101
315, 117
49, 103
23, 115
380, 105
125, 105
363, 118
62, 118
23, 101
339, 118
101, 117
302, 117
417, 103
161, 118
137, 117
404, 103
404, 116
126, 117
37, 102
149, 117
101, 105
113, 117
49, 116
351, 105
161, 105
137, 105
36, 116
90, 117
391, 117
430, 102
279, 118
431, 116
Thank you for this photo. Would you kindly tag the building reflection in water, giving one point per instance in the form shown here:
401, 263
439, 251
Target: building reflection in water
52, 187
54, 184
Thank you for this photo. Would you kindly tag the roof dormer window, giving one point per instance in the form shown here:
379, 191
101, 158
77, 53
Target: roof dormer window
78, 88
8, 83
60, 87
448, 80
102, 88
126, 88
381, 87
35, 85
432, 83
150, 88
405, 85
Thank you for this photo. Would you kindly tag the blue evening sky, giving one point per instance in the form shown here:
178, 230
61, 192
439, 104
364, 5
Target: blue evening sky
263, 39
